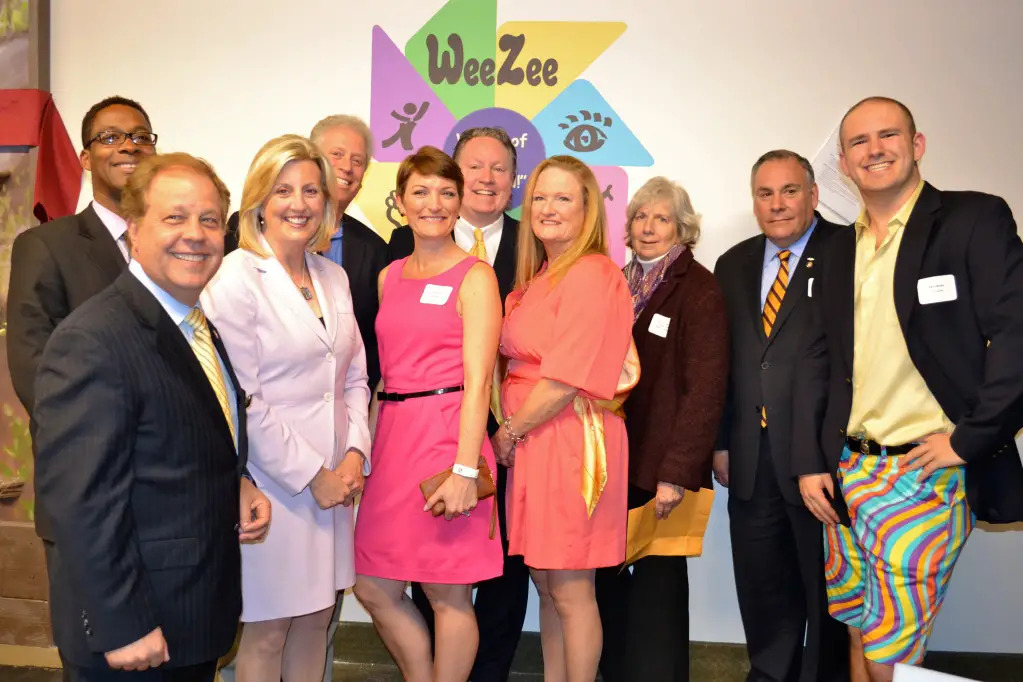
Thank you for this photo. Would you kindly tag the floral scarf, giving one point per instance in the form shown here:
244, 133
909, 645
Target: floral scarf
641, 286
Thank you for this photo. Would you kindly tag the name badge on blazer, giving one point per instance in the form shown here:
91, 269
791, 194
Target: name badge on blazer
659, 325
435, 294
937, 289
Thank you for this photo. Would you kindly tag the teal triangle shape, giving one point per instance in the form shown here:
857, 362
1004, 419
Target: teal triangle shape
581, 123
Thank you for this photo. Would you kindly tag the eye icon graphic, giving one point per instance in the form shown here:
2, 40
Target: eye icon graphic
585, 136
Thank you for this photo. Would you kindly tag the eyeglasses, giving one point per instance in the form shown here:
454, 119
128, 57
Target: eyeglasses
110, 138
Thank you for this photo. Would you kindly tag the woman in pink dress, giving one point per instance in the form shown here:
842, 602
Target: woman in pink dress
566, 335
437, 329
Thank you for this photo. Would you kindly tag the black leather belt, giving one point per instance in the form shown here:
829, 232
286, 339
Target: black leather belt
871, 447
399, 397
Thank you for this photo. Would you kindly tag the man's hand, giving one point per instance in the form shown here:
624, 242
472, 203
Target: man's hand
350, 471
255, 514
812, 487
934, 453
328, 488
668, 497
148, 652
721, 467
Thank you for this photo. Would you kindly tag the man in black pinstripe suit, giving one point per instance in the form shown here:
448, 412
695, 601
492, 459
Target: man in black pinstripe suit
139, 431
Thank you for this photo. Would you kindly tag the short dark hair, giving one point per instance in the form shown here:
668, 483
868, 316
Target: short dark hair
499, 134
879, 98
781, 155
429, 161
90, 115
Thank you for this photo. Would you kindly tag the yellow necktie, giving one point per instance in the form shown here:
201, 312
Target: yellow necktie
775, 295
202, 346
479, 249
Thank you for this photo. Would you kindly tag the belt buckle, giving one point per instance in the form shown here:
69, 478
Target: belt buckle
864, 446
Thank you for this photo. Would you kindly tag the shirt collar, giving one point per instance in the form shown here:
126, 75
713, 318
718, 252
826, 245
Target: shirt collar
175, 308
796, 248
468, 228
900, 218
114, 223
340, 232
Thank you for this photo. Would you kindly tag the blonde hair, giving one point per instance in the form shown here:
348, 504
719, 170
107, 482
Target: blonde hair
660, 188
592, 238
259, 183
133, 198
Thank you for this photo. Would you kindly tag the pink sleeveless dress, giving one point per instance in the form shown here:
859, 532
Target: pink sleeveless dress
420, 350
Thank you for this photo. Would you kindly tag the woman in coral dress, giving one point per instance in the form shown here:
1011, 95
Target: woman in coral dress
566, 335
437, 329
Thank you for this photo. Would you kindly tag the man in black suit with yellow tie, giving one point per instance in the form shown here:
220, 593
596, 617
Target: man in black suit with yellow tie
487, 159
139, 437
776, 543
57, 266
909, 387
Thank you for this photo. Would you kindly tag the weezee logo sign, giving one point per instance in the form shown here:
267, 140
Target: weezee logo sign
460, 71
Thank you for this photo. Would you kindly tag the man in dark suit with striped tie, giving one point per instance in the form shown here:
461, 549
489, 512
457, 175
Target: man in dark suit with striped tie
139, 432
777, 547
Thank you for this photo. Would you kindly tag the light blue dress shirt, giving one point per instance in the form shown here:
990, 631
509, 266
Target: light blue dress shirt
772, 264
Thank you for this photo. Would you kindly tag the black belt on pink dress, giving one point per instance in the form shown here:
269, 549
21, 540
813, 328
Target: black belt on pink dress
399, 397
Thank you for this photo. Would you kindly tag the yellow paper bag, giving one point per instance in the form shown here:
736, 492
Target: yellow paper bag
681, 534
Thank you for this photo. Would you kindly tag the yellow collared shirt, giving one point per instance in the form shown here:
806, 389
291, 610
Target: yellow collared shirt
891, 403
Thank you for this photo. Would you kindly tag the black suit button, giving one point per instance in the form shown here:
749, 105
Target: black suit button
848, 380
841, 431
765, 365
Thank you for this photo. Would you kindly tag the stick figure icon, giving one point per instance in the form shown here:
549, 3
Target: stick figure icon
607, 193
406, 124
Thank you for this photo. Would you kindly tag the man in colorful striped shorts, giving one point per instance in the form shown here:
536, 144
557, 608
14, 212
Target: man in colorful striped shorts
910, 387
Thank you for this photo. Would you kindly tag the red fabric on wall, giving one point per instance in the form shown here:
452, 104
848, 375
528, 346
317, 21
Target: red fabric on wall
29, 118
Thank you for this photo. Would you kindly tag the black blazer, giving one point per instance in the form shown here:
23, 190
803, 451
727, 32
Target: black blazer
762, 368
967, 350
363, 255
403, 242
138, 479
672, 414
55, 267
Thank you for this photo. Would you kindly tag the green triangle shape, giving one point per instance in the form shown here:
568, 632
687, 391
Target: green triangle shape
460, 31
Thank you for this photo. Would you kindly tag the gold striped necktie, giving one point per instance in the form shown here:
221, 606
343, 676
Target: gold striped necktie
479, 249
775, 295
202, 345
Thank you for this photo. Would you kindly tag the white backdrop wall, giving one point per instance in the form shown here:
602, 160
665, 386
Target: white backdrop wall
707, 87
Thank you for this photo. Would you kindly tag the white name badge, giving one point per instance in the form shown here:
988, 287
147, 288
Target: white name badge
659, 325
809, 288
435, 294
936, 289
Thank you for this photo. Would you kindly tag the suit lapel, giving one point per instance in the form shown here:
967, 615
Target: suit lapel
842, 297
279, 280
504, 262
753, 273
239, 394
173, 347
101, 247
667, 286
352, 252
797, 280
914, 243
325, 295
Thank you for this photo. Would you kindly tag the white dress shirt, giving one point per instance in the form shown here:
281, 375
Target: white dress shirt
116, 225
465, 236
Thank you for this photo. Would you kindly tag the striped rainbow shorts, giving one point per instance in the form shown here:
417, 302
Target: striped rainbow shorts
887, 573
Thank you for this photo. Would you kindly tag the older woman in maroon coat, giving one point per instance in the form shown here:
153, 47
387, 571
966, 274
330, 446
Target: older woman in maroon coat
681, 333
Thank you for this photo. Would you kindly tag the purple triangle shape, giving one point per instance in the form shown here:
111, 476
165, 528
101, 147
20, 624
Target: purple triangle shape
405, 114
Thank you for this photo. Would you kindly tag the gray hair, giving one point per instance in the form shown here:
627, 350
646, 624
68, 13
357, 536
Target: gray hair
498, 134
344, 121
660, 188
781, 155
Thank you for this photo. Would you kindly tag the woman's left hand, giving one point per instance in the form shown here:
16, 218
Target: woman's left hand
458, 494
669, 496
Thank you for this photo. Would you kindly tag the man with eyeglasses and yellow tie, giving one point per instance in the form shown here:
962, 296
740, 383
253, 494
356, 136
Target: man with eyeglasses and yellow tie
141, 450
487, 158
59, 265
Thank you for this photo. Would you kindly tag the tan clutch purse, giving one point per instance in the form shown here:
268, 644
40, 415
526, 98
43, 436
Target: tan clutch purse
485, 487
